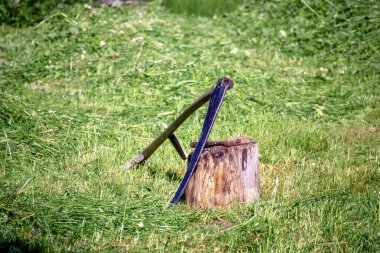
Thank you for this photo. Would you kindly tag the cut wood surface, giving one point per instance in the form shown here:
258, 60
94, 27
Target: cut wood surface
227, 172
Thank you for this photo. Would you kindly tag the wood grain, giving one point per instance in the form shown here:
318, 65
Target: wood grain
225, 175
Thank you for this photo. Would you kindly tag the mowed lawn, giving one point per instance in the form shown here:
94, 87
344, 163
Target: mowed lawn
85, 90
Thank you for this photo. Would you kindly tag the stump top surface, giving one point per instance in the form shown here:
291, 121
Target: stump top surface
242, 140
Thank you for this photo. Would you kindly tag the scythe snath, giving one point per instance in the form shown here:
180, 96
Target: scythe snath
215, 95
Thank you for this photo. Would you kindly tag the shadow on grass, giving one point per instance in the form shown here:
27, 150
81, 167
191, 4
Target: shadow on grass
19, 245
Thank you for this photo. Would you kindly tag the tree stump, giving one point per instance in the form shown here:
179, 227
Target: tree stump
227, 171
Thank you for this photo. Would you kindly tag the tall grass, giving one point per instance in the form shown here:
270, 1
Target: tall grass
202, 7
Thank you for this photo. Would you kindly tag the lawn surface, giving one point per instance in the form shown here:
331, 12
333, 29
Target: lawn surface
85, 90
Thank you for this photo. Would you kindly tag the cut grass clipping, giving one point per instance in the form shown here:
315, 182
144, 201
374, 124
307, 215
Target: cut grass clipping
86, 89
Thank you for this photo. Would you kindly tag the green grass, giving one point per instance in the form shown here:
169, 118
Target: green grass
207, 8
85, 91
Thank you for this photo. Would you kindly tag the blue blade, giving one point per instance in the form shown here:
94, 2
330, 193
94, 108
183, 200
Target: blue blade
213, 108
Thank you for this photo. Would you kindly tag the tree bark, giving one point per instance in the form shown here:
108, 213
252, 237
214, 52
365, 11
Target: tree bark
227, 172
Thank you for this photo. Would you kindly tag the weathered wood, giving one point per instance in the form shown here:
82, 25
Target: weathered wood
228, 171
